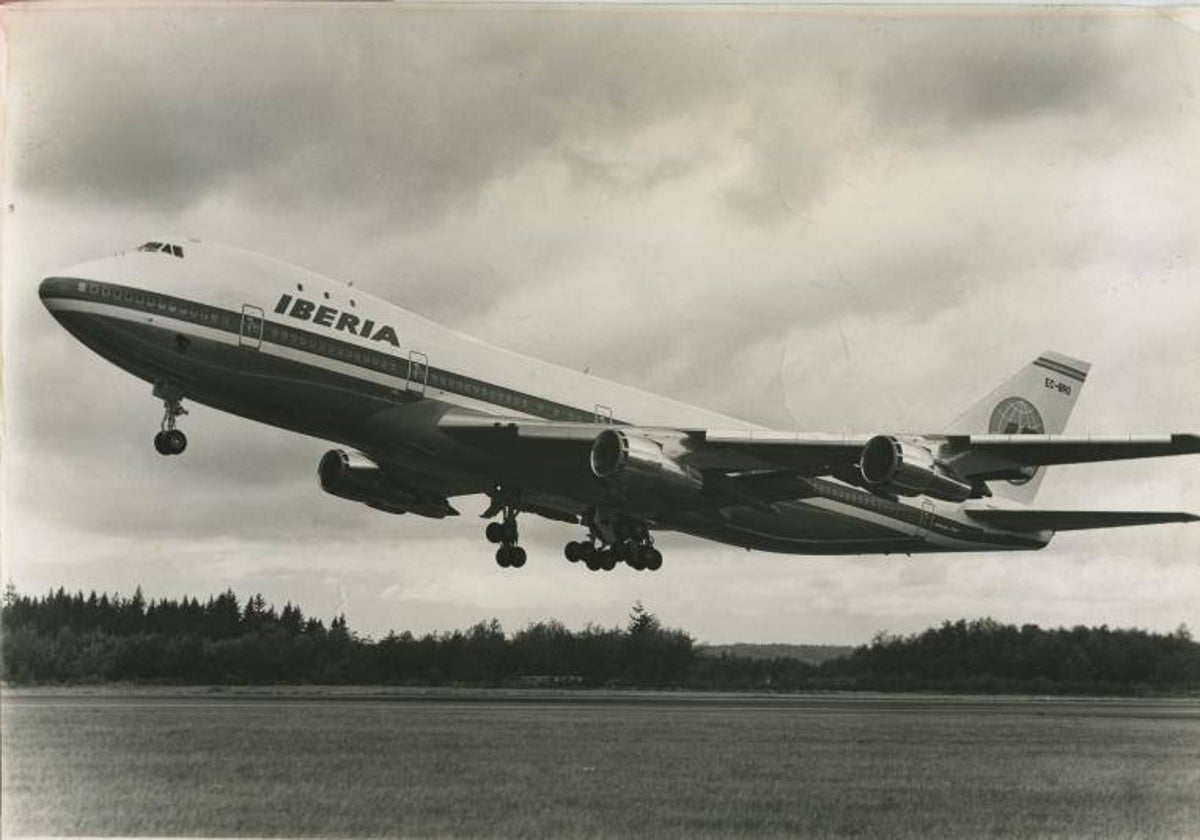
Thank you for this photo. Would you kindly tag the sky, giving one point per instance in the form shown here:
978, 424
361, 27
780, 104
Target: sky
828, 219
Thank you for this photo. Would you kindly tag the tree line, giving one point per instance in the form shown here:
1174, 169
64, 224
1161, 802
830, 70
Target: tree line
65, 637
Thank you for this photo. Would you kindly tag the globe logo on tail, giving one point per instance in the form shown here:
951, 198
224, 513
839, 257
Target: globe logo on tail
1016, 416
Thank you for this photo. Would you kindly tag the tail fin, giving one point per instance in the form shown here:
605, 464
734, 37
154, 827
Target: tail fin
1038, 400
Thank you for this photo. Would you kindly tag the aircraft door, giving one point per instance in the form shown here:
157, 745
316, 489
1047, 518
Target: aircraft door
925, 519
418, 372
251, 330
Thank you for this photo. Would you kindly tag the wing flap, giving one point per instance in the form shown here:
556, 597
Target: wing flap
1074, 520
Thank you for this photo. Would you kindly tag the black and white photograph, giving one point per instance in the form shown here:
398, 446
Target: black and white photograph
600, 420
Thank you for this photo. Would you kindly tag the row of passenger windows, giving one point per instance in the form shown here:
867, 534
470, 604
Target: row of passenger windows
164, 247
335, 349
867, 500
174, 307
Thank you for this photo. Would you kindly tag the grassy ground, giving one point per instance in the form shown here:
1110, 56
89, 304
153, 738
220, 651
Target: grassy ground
257, 767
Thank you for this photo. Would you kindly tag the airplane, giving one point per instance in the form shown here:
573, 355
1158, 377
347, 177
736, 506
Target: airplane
426, 414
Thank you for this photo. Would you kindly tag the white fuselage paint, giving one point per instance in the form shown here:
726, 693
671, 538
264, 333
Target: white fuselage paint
230, 279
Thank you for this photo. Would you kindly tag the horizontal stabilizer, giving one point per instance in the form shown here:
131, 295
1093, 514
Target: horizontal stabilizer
982, 454
1075, 520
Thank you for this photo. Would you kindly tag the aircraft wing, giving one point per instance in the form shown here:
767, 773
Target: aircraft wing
971, 460
969, 456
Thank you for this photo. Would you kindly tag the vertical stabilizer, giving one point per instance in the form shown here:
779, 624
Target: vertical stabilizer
1037, 400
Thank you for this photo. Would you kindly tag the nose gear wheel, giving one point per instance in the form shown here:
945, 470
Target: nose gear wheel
170, 440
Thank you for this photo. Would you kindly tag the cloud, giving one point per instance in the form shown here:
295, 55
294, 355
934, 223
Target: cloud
834, 219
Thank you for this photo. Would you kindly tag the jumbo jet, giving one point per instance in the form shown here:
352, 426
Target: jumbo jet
424, 414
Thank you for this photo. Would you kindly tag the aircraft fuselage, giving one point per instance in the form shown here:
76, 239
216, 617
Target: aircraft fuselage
274, 343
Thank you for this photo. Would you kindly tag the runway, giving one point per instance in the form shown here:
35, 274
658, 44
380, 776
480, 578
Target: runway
303, 761
514, 699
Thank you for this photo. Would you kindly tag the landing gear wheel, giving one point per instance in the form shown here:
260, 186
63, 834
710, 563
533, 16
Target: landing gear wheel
174, 441
494, 532
508, 529
652, 559
503, 556
594, 560
571, 552
169, 440
634, 559
516, 557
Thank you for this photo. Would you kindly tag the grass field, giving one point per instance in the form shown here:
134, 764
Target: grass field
162, 765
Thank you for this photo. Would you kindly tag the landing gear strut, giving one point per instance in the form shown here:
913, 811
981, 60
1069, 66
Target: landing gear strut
504, 532
611, 541
169, 440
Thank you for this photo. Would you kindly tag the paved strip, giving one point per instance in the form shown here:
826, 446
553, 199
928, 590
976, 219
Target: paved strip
1185, 708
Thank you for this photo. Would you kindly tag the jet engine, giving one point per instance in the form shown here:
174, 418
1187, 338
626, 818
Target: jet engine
909, 470
634, 460
354, 476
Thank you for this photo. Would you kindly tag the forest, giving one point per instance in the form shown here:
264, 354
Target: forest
69, 638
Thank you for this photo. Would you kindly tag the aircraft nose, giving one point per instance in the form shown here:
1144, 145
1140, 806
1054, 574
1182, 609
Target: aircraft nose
55, 288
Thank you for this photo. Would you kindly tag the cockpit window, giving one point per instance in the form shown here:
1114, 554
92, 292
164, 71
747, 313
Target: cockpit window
166, 248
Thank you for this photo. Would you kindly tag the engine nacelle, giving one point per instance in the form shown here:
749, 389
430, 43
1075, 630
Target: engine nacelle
637, 461
354, 476
909, 470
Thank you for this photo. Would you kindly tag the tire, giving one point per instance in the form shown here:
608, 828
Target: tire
571, 551
174, 441
516, 557
502, 556
509, 531
609, 561
160, 444
494, 532
654, 559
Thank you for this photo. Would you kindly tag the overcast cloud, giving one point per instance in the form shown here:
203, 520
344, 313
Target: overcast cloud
823, 219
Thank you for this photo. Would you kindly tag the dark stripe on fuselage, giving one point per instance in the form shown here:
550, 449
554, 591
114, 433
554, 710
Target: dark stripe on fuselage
1059, 367
318, 344
918, 518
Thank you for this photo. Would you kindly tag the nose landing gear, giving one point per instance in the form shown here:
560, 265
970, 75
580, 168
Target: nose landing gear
169, 440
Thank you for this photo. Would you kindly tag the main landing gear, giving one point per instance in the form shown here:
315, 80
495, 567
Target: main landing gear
611, 539
610, 542
169, 440
504, 532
